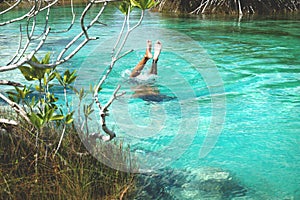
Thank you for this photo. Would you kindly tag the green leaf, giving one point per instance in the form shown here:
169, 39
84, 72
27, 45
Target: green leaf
33, 102
58, 76
51, 77
34, 59
69, 118
36, 120
37, 88
135, 3
143, 4
27, 73
91, 88
40, 73
124, 7
46, 58
49, 114
81, 93
72, 77
51, 98
31, 73
56, 117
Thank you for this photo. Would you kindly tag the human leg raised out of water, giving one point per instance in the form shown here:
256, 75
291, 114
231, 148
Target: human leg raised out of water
157, 50
149, 92
140, 66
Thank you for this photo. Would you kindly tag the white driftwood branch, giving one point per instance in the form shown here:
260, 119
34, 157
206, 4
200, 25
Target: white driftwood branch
8, 122
16, 107
11, 83
103, 113
60, 140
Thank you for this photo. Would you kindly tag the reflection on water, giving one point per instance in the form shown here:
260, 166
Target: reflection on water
258, 61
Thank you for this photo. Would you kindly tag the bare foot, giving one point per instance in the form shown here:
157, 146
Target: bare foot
148, 49
157, 50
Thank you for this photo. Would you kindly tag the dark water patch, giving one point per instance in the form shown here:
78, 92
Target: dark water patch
201, 183
281, 85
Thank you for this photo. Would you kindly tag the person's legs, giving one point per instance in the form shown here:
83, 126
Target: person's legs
139, 67
157, 50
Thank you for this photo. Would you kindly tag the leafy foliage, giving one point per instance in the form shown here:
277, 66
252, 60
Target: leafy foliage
43, 110
128, 5
143, 4
44, 116
67, 79
19, 94
124, 6
32, 73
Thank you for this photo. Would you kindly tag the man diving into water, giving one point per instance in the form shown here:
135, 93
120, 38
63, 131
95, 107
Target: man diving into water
148, 92
140, 66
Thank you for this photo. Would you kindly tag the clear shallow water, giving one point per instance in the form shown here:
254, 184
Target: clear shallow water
258, 62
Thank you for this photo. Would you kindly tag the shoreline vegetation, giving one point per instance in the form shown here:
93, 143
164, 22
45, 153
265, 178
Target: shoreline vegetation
73, 172
229, 7
197, 7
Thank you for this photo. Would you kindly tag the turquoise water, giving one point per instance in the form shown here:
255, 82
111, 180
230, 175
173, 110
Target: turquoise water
236, 81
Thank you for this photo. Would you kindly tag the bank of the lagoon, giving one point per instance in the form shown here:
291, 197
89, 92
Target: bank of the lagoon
239, 77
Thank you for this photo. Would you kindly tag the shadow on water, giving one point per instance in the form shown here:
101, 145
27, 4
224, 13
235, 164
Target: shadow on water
150, 93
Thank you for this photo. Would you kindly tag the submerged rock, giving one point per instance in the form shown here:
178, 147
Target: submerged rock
201, 183
216, 183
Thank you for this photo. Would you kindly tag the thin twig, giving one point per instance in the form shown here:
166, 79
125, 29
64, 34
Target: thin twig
72, 22
28, 57
19, 47
126, 189
120, 35
60, 140
10, 83
19, 18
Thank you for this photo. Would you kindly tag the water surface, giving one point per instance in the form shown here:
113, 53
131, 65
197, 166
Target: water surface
258, 63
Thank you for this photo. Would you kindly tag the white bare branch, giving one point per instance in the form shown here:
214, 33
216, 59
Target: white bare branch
19, 47
11, 83
25, 52
16, 107
11, 7
72, 22
103, 109
8, 122
17, 19
27, 58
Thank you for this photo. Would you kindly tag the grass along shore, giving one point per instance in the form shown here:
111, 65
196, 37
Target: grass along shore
31, 171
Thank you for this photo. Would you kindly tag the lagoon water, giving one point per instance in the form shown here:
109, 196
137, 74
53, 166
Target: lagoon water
234, 87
